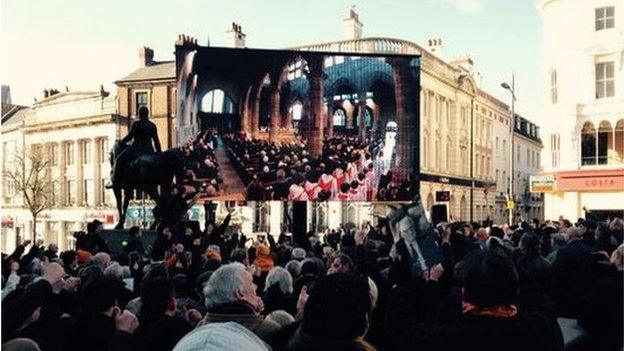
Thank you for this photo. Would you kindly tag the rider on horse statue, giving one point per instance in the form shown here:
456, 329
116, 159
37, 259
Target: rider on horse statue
142, 133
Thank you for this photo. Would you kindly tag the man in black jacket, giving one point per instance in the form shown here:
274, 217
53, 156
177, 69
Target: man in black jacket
100, 325
571, 274
498, 310
160, 329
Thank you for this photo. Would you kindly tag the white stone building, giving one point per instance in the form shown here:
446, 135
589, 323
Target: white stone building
77, 130
583, 106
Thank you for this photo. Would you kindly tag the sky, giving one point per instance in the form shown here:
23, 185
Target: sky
82, 44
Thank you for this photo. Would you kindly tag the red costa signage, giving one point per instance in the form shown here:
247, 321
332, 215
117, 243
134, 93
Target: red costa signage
591, 180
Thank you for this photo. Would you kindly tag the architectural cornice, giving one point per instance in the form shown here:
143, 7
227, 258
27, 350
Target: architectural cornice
66, 124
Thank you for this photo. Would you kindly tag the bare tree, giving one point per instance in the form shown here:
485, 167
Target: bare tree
31, 177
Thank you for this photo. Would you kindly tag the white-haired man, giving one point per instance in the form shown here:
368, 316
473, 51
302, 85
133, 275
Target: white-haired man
230, 296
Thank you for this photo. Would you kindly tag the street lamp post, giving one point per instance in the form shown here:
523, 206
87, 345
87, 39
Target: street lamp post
511, 142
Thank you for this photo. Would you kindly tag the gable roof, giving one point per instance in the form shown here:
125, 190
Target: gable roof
12, 115
155, 71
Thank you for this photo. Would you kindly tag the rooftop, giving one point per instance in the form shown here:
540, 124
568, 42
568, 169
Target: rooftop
12, 115
155, 71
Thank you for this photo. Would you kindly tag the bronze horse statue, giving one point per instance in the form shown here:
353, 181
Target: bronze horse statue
151, 173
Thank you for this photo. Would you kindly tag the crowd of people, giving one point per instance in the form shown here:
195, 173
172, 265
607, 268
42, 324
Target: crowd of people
200, 164
494, 287
349, 169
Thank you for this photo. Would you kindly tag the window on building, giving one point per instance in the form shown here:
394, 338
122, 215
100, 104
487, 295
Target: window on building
53, 154
70, 188
329, 61
87, 192
518, 154
605, 80
504, 180
448, 155
496, 145
103, 192
140, 99
103, 150
553, 86
296, 111
605, 17
425, 152
504, 151
69, 153
496, 174
528, 157
436, 150
339, 117
85, 152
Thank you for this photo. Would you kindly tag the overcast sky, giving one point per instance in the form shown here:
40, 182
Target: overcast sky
83, 44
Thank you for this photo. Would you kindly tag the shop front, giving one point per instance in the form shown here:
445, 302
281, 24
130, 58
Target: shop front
571, 193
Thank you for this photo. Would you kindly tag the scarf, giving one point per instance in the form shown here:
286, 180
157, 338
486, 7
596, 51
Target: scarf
496, 311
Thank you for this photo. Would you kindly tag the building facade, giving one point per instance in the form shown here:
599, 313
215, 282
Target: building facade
152, 85
583, 108
75, 130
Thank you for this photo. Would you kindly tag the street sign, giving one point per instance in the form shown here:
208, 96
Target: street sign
542, 184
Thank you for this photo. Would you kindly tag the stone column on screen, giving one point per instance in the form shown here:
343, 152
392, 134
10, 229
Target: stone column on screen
330, 121
255, 112
362, 115
316, 78
405, 92
274, 114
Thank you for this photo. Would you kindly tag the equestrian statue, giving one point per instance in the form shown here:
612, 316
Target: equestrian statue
138, 164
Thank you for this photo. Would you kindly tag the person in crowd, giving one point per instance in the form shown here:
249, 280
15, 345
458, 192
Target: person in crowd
230, 296
335, 316
278, 291
159, 327
497, 306
601, 312
571, 274
263, 259
341, 264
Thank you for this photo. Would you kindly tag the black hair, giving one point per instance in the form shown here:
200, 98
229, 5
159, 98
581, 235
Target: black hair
497, 232
530, 244
323, 195
345, 260
337, 307
143, 112
355, 184
345, 187
156, 294
100, 294
489, 279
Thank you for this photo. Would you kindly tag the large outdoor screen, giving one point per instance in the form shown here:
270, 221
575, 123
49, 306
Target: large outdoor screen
298, 125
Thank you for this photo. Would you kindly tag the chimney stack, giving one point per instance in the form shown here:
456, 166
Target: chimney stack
146, 56
235, 36
352, 26
435, 46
